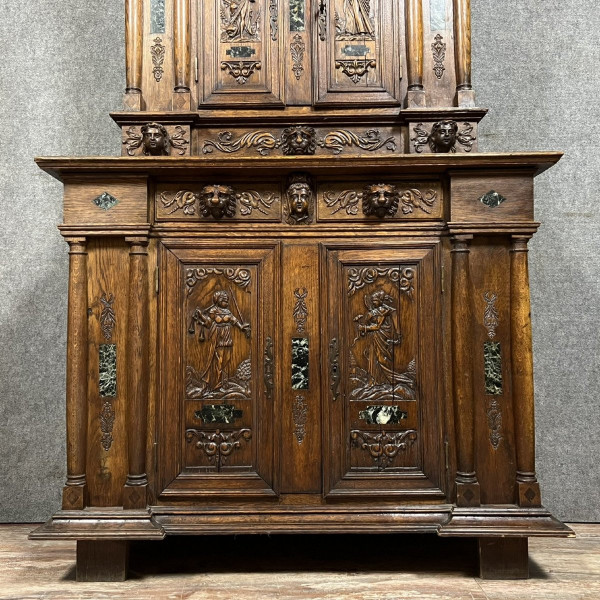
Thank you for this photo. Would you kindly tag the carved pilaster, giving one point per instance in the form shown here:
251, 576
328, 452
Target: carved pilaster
134, 494
528, 489
467, 486
182, 53
462, 52
414, 35
74, 492
133, 55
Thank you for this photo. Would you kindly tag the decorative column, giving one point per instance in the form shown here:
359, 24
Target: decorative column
528, 489
75, 490
414, 35
465, 96
467, 486
133, 55
182, 51
134, 493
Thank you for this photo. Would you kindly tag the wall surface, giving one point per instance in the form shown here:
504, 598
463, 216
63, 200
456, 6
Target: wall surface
62, 71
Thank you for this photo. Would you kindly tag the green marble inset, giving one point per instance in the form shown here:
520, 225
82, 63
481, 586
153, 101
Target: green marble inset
297, 9
299, 363
240, 52
219, 413
382, 415
492, 199
105, 201
492, 365
107, 379
157, 16
355, 50
437, 15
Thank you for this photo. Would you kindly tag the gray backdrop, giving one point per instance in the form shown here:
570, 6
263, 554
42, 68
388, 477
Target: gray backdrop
62, 71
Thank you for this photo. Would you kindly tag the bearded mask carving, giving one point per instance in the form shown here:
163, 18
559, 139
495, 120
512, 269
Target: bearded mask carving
380, 200
298, 140
217, 201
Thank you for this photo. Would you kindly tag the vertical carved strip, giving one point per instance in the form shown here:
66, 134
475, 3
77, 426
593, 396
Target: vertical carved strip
467, 487
414, 36
182, 39
522, 374
462, 52
74, 491
134, 495
133, 46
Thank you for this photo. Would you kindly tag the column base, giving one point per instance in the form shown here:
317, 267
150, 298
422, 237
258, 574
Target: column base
74, 497
528, 494
135, 496
415, 99
102, 560
465, 98
468, 494
133, 101
503, 558
182, 101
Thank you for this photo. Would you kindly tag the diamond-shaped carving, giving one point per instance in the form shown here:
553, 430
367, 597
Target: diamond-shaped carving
492, 199
530, 495
134, 497
468, 495
105, 201
72, 497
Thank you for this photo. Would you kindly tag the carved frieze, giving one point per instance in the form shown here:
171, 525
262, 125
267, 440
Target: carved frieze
402, 277
355, 68
239, 276
300, 418
300, 312
439, 54
240, 20
107, 315
299, 200
383, 447
443, 137
297, 49
241, 70
218, 445
157, 51
300, 140
154, 139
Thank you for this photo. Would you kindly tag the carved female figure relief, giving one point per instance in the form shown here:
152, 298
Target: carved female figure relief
214, 326
299, 200
239, 20
356, 20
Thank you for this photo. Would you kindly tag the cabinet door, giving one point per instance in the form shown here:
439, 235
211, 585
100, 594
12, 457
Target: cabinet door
217, 347
239, 52
382, 395
357, 52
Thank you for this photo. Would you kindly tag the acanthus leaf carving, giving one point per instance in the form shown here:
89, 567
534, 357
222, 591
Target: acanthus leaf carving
157, 51
347, 200
356, 68
251, 200
218, 445
107, 315
439, 54
107, 421
382, 446
241, 70
300, 309
414, 198
297, 49
300, 418
178, 141
184, 200
261, 140
491, 318
370, 141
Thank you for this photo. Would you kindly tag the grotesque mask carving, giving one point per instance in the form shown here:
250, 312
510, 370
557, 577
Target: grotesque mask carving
217, 201
380, 200
155, 140
298, 140
299, 200
442, 138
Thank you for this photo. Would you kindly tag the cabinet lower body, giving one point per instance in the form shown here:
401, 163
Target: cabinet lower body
295, 385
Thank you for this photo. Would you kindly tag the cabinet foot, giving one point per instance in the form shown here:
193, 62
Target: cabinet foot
503, 558
102, 560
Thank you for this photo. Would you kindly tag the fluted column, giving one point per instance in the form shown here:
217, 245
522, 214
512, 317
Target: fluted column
465, 96
133, 54
75, 490
182, 52
134, 495
467, 486
414, 36
528, 489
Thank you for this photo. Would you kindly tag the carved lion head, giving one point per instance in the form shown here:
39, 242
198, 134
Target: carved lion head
298, 140
217, 201
380, 200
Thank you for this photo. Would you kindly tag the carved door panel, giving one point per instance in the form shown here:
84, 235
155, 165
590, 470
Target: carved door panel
216, 411
357, 52
239, 60
382, 399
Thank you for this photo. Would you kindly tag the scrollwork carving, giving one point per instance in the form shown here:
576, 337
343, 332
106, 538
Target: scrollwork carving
403, 276
439, 54
178, 141
383, 447
251, 200
157, 51
356, 68
300, 309
371, 141
297, 49
184, 200
348, 200
241, 70
218, 445
300, 418
108, 319
413, 198
240, 277
443, 137
261, 140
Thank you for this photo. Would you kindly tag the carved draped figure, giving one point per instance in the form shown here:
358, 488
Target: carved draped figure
357, 17
240, 20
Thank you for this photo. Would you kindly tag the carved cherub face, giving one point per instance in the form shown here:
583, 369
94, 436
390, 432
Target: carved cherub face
380, 200
298, 140
217, 201
443, 136
155, 140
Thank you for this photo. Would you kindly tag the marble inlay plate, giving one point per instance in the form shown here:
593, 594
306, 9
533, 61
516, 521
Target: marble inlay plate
355, 50
157, 16
297, 9
382, 415
437, 20
240, 52
300, 364
492, 356
492, 199
219, 413
105, 201
107, 380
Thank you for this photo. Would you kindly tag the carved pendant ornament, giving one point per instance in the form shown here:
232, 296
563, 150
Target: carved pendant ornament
241, 70
300, 310
218, 445
269, 369
334, 369
299, 140
297, 49
157, 51
107, 315
299, 200
443, 137
439, 54
155, 140
273, 18
356, 68
383, 447
107, 421
300, 418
